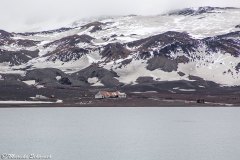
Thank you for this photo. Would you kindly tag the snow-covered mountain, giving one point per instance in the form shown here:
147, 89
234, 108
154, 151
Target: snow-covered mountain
195, 42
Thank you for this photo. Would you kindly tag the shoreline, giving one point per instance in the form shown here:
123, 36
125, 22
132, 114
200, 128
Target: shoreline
129, 105
76, 98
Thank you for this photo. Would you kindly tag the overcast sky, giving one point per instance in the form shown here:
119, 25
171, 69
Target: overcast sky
33, 15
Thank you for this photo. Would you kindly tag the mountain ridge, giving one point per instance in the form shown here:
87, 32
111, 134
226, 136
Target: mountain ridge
131, 50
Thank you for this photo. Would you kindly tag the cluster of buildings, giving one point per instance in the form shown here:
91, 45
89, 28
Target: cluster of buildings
105, 94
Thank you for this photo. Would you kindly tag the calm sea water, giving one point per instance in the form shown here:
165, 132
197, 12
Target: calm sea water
122, 133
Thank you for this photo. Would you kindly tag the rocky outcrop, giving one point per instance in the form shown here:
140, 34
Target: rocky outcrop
17, 57
71, 40
4, 34
238, 67
18, 42
108, 78
174, 42
53, 77
94, 71
67, 48
96, 26
201, 82
227, 43
114, 51
162, 63
145, 80
164, 44
198, 11
6, 38
66, 54
44, 75
181, 74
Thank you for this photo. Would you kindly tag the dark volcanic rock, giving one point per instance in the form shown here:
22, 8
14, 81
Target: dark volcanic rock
228, 43
113, 36
66, 54
198, 11
125, 62
97, 26
170, 43
44, 75
182, 59
238, 67
13, 83
193, 12
71, 40
145, 55
4, 34
166, 43
237, 26
145, 80
105, 76
200, 81
114, 51
94, 71
48, 76
167, 86
6, 38
13, 89
181, 74
67, 48
162, 63
63, 29
195, 78
10, 77
65, 81
26, 43
19, 42
231, 35
109, 81
17, 57
184, 12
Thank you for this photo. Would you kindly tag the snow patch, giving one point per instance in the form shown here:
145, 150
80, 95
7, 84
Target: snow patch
30, 82
24, 102
98, 84
58, 78
93, 80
